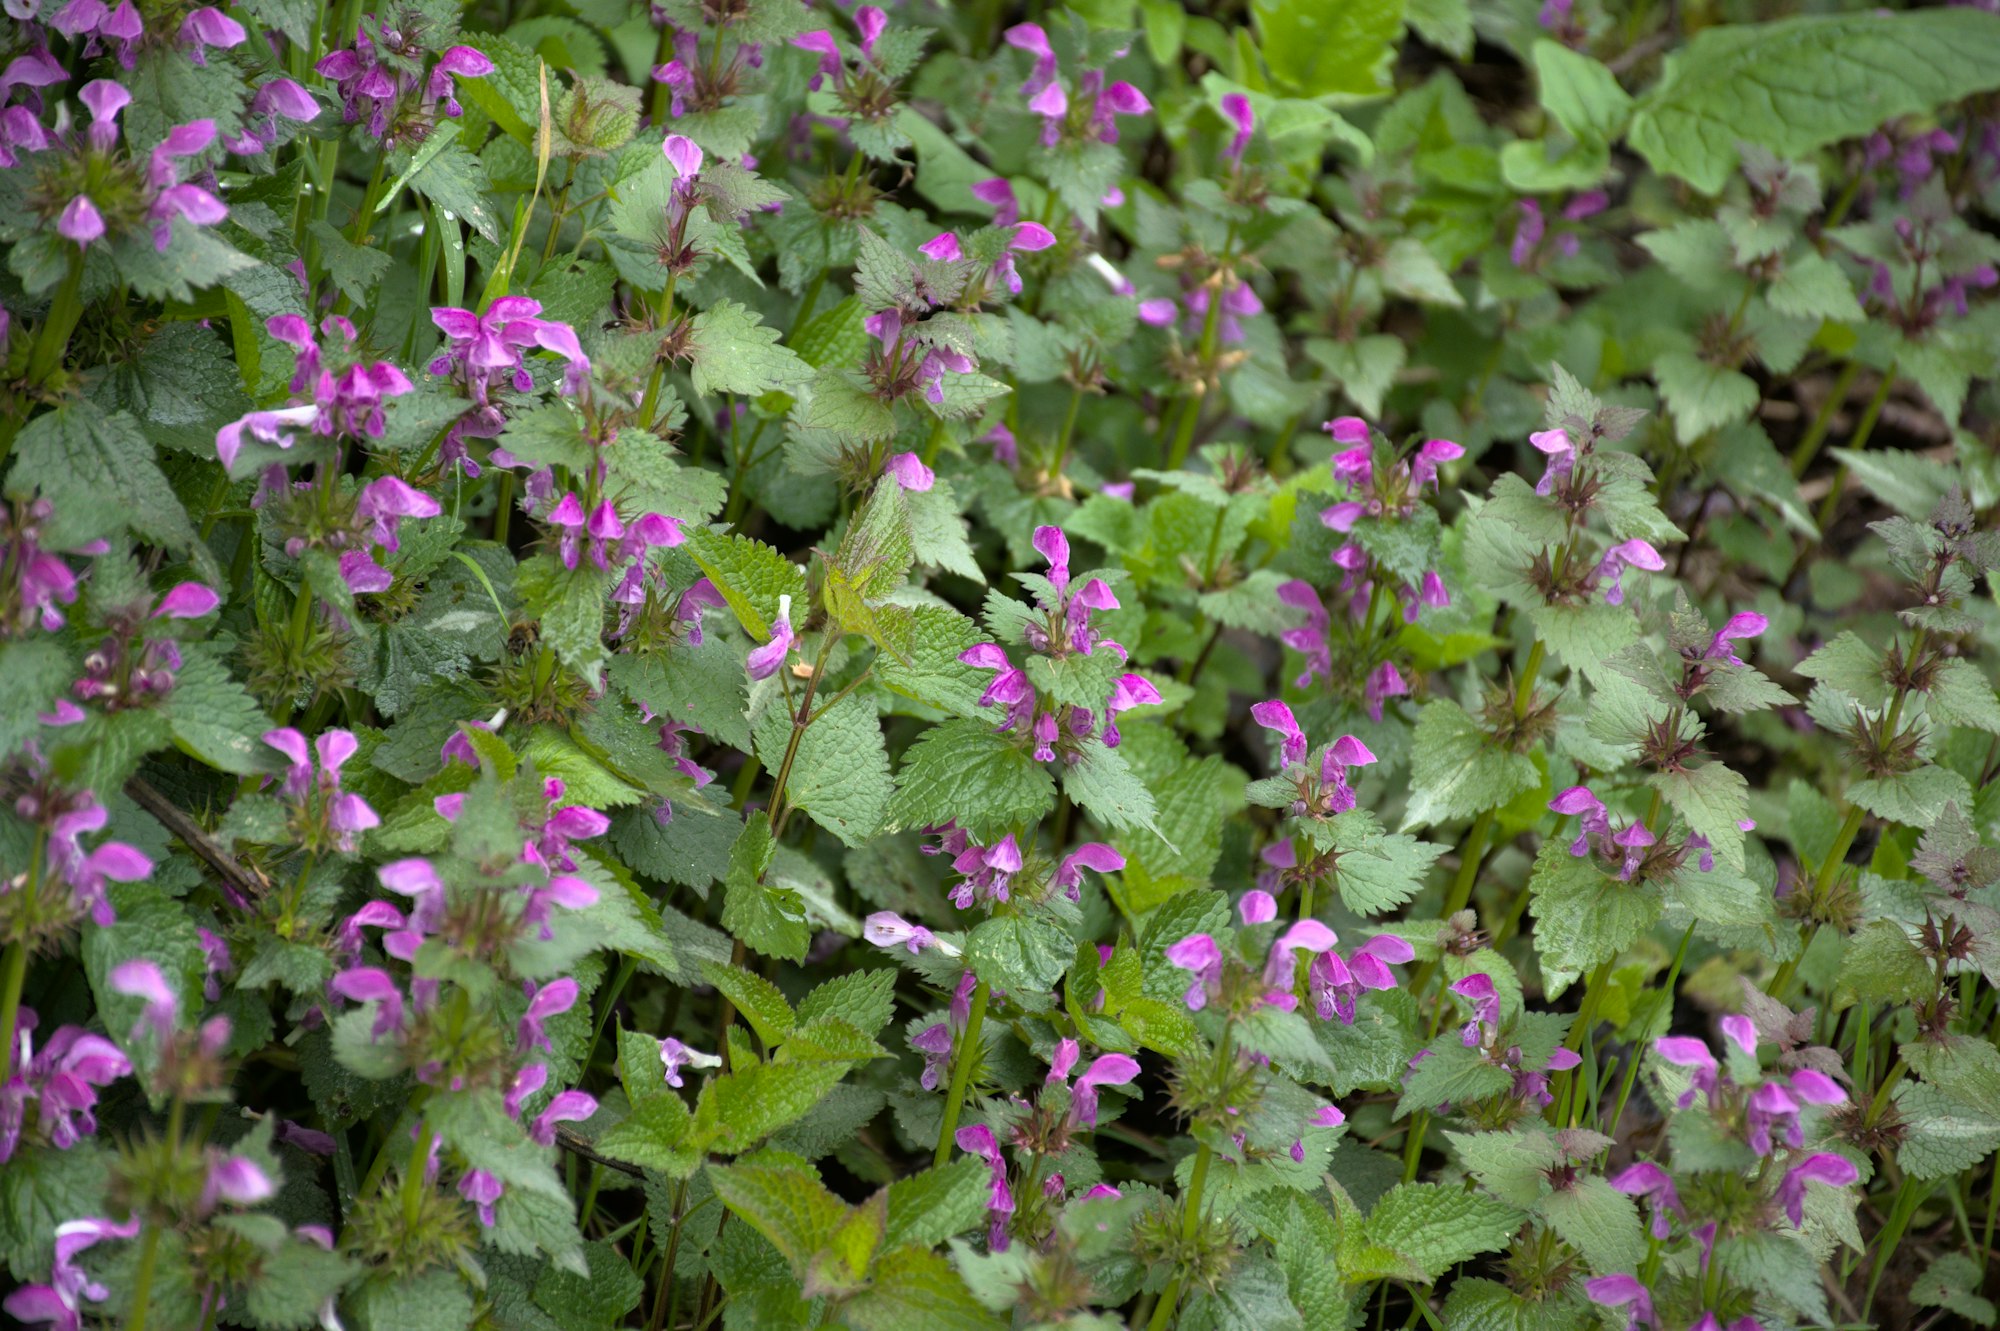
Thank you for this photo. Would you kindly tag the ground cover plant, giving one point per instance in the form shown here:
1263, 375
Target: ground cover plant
748, 664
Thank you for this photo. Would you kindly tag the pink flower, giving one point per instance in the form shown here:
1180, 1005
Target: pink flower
1199, 954
763, 662
909, 471
1236, 107
567, 1107
1274, 715
887, 929
1335, 984
1833, 1170
1634, 554
674, 1056
1622, 1291
1091, 855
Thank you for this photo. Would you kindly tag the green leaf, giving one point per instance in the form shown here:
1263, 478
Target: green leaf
840, 770
961, 770
929, 1207
735, 352
1365, 368
756, 998
1582, 916
928, 669
1581, 93
914, 1288
33, 674
600, 1298
98, 472
864, 999
751, 576
1434, 1227
1317, 47
1713, 798
1703, 397
769, 919
1797, 84
1105, 785
1023, 954
1456, 770
1598, 1221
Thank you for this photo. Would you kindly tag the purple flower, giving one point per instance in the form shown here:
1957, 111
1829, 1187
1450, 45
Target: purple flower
370, 984
943, 247
544, 1001
1090, 855
887, 929
1478, 989
763, 662
87, 872
329, 812
1281, 966
1384, 682
1747, 624
63, 1080
1127, 692
1274, 715
998, 193
1310, 638
1833, 1170
934, 1042
385, 501
567, 1107
1634, 554
486, 349
1108, 1070
99, 24
1685, 1051
1335, 983
1648, 1180
60, 1302
482, 1190
1561, 454
1257, 907
1236, 107
278, 99
387, 92
206, 27
344, 402
1622, 1291
1010, 687
235, 1180
1199, 954
909, 471
674, 1056
978, 1140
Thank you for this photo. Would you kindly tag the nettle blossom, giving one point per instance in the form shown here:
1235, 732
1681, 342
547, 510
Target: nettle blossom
978, 1140
1023, 238
61, 1081
1089, 111
1646, 1179
1836, 1171
60, 1302
372, 984
1770, 1110
1310, 638
382, 80
1634, 553
326, 814
87, 873
1327, 792
608, 543
120, 670
1531, 227
674, 1056
1068, 877
481, 1190
911, 356
342, 393
35, 581
1106, 1070
1281, 965
1236, 109
909, 472
206, 27
93, 188
763, 662
887, 929
1334, 982
275, 100
484, 350
1201, 955
987, 871
1189, 312
100, 26
694, 81
1484, 1001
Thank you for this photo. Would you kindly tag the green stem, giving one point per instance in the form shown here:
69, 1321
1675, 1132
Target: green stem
1632, 1063
142, 1282
11, 982
413, 1176
1524, 691
961, 1073
369, 198
1068, 429
663, 309
64, 311
1815, 434
1857, 443
1909, 1196
1469, 857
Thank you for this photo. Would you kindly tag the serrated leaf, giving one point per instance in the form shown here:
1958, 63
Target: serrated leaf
1796, 84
